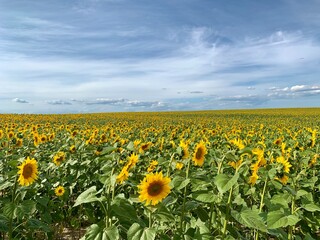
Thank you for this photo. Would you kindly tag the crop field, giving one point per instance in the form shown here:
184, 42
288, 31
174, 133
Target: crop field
240, 174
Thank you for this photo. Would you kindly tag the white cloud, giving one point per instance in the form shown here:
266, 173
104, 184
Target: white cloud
19, 100
58, 102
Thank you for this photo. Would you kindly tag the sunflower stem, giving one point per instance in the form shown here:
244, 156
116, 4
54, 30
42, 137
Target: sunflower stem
184, 199
211, 216
261, 202
150, 218
227, 214
168, 168
291, 228
10, 231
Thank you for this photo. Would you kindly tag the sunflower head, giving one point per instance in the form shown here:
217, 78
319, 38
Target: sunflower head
59, 158
72, 149
185, 150
199, 152
123, 175
28, 172
179, 165
133, 159
154, 188
59, 191
285, 164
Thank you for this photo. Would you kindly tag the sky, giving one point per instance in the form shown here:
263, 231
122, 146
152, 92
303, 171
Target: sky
80, 56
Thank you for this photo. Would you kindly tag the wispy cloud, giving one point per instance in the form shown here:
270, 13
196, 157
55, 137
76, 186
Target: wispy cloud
58, 102
19, 100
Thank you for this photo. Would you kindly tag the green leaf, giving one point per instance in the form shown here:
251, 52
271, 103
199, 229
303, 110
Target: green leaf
107, 150
122, 208
130, 146
202, 231
35, 224
43, 200
163, 214
112, 233
202, 214
204, 196
148, 234
278, 219
95, 232
87, 196
311, 207
4, 223
301, 193
25, 208
247, 150
5, 185
180, 182
281, 199
224, 183
8, 210
250, 218
99, 232
136, 232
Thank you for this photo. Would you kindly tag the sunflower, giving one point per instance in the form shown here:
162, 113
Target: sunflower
59, 158
43, 138
236, 164
133, 159
283, 178
72, 149
285, 163
199, 152
36, 139
152, 166
28, 172
313, 161
154, 188
59, 191
123, 175
179, 165
185, 151
253, 178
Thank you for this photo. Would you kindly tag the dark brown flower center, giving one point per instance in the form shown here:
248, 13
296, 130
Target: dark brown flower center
199, 153
27, 171
155, 188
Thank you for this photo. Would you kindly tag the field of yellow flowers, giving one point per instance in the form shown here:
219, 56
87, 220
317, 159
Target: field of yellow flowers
241, 174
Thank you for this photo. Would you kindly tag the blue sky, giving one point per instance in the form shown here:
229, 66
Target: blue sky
141, 55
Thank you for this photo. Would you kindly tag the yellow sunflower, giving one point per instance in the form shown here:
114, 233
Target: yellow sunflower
185, 150
283, 179
199, 152
72, 149
59, 158
133, 159
59, 191
123, 175
179, 165
28, 172
144, 147
152, 166
253, 178
285, 163
154, 188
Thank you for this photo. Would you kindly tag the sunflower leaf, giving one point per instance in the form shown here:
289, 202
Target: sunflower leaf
224, 183
87, 196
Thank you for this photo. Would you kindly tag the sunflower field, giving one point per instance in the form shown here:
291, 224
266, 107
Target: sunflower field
240, 174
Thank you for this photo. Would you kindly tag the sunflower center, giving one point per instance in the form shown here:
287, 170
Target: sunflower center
27, 171
155, 188
199, 153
